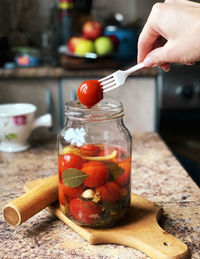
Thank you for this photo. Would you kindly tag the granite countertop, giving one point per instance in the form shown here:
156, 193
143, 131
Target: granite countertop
156, 175
59, 72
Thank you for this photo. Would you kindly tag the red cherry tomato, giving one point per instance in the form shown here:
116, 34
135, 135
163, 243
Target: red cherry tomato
90, 93
61, 196
124, 178
97, 173
109, 192
72, 192
90, 150
124, 191
84, 211
108, 150
69, 161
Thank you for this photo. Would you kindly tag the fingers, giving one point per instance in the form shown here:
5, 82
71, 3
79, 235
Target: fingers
170, 52
159, 56
159, 42
149, 63
150, 37
146, 41
189, 63
169, 21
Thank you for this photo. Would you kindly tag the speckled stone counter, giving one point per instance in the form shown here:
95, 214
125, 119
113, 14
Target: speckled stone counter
156, 175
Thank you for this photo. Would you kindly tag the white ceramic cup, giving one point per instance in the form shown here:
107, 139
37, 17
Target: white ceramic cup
17, 120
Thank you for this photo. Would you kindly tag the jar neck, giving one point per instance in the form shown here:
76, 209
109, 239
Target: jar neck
104, 110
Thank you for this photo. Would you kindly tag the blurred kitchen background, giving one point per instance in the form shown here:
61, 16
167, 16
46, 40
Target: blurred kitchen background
35, 67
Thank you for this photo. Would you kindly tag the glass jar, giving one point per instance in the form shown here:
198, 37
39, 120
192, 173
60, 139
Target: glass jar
94, 164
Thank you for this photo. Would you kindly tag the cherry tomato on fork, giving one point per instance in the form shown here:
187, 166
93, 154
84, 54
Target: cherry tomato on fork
90, 93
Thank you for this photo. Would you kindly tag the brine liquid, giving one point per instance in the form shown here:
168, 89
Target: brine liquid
94, 184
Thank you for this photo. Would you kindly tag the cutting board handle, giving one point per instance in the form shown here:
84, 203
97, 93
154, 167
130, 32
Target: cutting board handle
155, 243
152, 240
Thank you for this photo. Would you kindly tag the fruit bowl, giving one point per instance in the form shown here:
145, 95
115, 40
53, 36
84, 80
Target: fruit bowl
89, 61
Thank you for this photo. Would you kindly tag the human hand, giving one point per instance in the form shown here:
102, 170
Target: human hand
178, 23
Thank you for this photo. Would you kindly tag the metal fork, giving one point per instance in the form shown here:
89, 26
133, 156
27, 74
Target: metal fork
118, 78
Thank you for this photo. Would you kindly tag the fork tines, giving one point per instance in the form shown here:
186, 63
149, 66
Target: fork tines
108, 83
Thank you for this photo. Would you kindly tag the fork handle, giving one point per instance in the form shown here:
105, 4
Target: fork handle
134, 68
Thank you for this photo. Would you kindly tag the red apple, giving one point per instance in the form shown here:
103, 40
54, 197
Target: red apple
92, 30
114, 40
73, 42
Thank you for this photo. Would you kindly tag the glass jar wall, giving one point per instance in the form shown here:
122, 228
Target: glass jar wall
94, 164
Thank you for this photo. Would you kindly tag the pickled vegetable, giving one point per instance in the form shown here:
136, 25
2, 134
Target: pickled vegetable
94, 184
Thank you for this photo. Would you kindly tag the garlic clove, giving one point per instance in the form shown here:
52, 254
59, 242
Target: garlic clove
88, 194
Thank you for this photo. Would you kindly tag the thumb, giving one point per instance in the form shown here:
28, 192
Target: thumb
159, 56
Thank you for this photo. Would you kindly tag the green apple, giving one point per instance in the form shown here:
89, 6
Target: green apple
103, 45
83, 47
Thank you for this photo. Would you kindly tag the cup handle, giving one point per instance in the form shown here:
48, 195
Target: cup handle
43, 121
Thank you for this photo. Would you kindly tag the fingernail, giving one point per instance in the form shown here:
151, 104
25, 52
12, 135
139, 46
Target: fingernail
148, 62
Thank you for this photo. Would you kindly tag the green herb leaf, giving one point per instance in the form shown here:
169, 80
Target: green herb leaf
11, 136
114, 170
73, 177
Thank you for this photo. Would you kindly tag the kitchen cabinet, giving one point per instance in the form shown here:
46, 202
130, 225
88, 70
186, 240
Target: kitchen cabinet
138, 96
42, 93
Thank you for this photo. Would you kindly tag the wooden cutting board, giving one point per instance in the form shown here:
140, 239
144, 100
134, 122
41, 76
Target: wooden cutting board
139, 229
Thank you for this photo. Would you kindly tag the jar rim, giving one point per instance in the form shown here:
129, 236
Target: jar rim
105, 109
